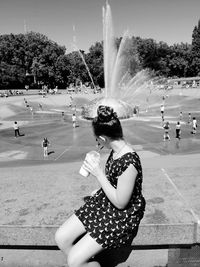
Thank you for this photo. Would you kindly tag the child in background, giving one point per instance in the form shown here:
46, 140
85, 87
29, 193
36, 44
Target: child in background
181, 115
194, 125
162, 109
189, 118
74, 120
45, 144
16, 129
166, 131
178, 130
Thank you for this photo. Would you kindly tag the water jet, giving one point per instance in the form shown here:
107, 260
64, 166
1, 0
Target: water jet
123, 91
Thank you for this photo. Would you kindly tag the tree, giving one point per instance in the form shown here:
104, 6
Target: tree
28, 53
178, 60
35, 59
77, 69
148, 53
95, 63
63, 71
195, 51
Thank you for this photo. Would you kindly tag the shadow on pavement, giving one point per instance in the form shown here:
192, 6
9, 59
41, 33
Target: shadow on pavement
51, 152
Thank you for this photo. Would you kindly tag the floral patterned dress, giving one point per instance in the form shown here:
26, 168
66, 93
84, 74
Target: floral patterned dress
109, 226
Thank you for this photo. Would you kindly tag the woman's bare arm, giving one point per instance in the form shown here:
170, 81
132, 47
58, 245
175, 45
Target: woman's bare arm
119, 196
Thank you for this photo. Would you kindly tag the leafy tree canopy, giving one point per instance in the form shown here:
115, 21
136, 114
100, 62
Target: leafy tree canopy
34, 59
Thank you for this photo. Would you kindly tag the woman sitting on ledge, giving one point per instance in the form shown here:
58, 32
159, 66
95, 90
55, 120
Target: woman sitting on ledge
110, 217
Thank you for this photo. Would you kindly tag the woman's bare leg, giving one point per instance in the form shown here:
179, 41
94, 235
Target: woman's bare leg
68, 233
83, 251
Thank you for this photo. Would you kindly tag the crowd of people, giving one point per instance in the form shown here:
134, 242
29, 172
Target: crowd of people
191, 121
10, 92
45, 141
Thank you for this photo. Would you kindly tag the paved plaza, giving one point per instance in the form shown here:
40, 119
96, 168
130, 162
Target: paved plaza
44, 192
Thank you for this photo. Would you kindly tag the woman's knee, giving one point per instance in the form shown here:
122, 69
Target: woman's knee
58, 237
68, 233
73, 260
61, 239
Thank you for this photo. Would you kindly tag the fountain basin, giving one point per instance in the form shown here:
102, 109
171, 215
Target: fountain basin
123, 109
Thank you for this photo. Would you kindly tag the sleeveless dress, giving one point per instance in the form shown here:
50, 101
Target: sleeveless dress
109, 226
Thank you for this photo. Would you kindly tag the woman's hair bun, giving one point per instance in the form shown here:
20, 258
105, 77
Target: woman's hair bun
105, 113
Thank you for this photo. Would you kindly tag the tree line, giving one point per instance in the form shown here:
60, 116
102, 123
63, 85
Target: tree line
32, 59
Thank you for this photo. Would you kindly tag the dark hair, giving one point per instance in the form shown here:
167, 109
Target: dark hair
107, 123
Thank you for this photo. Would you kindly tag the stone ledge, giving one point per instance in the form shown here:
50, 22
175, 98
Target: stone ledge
148, 235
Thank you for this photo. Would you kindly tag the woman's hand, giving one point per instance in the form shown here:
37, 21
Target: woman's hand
93, 167
94, 192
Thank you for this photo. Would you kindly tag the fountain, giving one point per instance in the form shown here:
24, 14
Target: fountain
122, 91
75, 48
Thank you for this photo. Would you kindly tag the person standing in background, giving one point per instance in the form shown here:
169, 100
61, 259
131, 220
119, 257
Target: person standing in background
166, 131
16, 129
45, 144
194, 125
162, 109
74, 120
181, 115
189, 118
178, 130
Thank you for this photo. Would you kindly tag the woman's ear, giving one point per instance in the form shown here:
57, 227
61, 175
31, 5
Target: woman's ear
102, 138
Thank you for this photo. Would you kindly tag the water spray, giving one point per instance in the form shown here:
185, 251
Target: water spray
75, 48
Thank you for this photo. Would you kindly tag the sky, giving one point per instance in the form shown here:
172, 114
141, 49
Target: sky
66, 21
